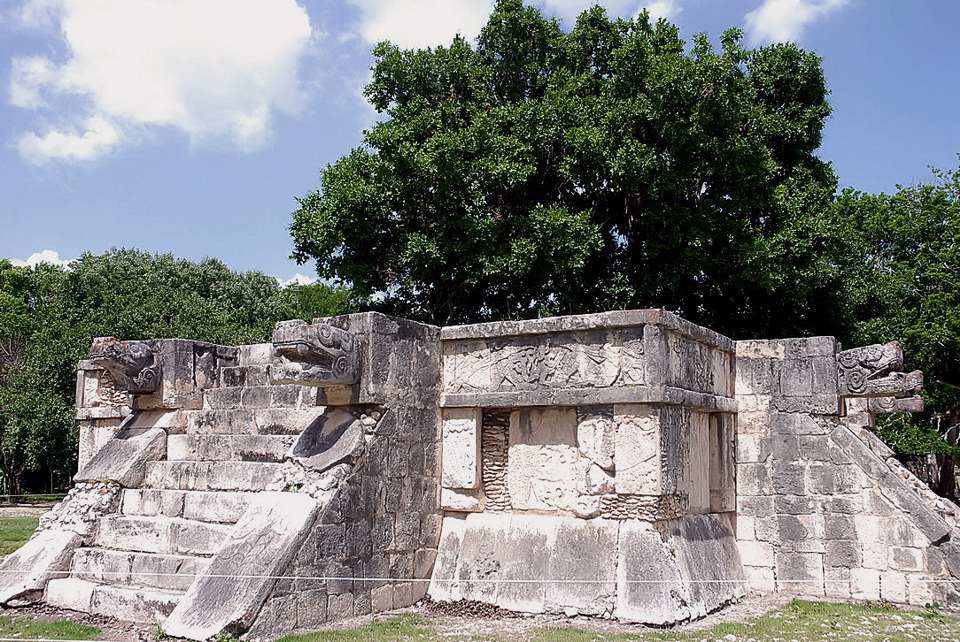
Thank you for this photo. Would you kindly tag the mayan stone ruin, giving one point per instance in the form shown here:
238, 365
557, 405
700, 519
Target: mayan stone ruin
627, 465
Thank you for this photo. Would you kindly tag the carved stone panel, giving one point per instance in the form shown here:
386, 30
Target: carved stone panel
315, 354
133, 365
587, 359
874, 371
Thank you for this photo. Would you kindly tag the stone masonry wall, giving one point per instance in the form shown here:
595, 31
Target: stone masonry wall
819, 513
374, 543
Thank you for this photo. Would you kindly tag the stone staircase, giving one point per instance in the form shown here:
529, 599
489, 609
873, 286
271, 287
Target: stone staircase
142, 560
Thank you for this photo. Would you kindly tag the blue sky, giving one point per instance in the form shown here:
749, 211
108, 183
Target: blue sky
190, 126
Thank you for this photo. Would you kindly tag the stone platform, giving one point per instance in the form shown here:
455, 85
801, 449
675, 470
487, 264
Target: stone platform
626, 465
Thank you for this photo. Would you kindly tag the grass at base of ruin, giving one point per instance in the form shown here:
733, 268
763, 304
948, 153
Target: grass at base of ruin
27, 628
14, 531
799, 621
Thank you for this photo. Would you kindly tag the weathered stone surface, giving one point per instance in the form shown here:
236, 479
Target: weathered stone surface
650, 588
160, 535
334, 437
123, 459
261, 544
709, 561
638, 450
462, 500
596, 434
314, 354
542, 465
461, 448
44, 557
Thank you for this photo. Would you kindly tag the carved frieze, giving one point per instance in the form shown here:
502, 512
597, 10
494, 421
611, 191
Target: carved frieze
881, 405
875, 371
133, 365
315, 354
576, 360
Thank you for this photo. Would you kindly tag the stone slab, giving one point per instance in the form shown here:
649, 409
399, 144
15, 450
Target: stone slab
461, 448
650, 588
334, 437
123, 459
43, 557
261, 545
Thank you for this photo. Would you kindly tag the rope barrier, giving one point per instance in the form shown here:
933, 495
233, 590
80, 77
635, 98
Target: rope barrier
120, 574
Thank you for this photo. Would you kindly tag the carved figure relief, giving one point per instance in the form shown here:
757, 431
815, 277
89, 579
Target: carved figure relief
874, 371
133, 365
315, 354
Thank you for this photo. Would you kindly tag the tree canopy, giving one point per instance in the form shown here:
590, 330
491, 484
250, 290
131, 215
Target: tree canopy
542, 171
49, 316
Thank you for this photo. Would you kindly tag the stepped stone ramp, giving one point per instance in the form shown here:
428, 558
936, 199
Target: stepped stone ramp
233, 466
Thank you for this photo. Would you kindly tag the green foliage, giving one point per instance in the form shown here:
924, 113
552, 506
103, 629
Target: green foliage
49, 316
539, 172
903, 283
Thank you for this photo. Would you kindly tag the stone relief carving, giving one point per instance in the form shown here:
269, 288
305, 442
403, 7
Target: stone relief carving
591, 359
874, 371
315, 354
881, 405
133, 365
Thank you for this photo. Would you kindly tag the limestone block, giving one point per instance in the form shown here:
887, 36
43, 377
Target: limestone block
864, 584
759, 579
799, 573
723, 484
698, 463
31, 566
261, 545
461, 447
444, 585
596, 434
581, 563
638, 450
70, 593
709, 561
123, 459
542, 464
893, 587
462, 500
648, 589
132, 604
755, 553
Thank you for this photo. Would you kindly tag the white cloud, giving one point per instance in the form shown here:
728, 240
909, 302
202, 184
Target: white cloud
214, 70
568, 10
421, 23
783, 20
666, 9
44, 256
97, 137
297, 279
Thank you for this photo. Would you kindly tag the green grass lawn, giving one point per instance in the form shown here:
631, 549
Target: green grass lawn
799, 621
25, 627
14, 531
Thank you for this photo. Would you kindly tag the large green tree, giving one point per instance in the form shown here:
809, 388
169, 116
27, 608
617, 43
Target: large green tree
903, 283
542, 171
49, 316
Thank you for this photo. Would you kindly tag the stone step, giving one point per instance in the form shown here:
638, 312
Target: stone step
265, 396
247, 421
214, 475
169, 535
260, 448
130, 604
224, 507
155, 570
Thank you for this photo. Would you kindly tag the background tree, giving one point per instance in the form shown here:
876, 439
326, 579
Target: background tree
903, 283
538, 171
49, 316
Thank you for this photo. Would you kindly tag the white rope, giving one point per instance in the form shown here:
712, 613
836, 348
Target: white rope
106, 574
